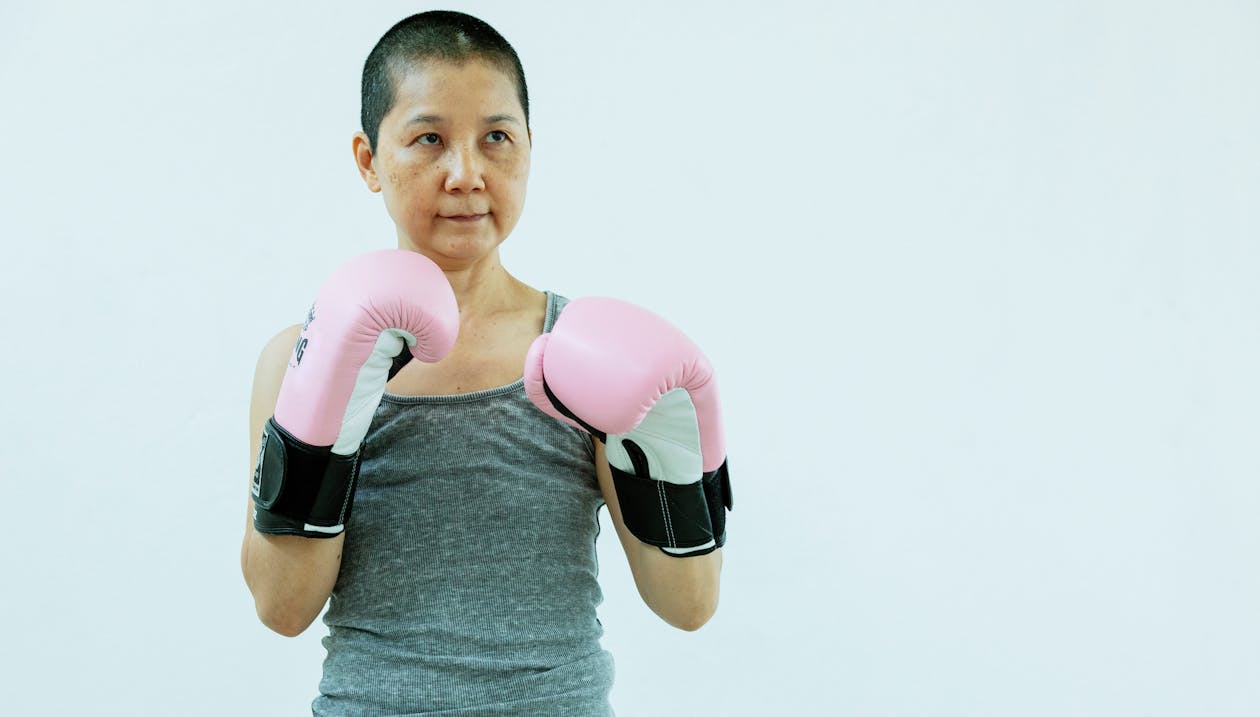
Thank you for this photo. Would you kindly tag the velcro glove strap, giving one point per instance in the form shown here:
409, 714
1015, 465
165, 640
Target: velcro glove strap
717, 492
301, 489
673, 517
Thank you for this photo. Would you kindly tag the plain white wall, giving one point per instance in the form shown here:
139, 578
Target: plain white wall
979, 279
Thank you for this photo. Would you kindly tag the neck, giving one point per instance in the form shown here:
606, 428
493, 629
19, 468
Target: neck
483, 287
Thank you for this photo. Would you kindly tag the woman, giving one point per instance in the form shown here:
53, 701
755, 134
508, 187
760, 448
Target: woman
466, 581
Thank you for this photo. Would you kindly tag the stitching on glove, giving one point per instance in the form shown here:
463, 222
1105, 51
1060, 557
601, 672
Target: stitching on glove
669, 526
354, 478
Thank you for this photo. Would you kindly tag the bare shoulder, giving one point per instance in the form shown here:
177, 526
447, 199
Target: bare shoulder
278, 347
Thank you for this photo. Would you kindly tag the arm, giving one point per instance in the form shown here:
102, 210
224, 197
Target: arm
684, 593
289, 576
648, 396
309, 417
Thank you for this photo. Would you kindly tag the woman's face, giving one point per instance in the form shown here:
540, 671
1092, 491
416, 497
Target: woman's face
451, 161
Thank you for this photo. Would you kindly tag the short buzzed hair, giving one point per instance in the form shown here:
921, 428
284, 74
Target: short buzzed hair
433, 35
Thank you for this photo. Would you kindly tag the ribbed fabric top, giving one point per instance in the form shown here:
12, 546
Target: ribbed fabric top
468, 578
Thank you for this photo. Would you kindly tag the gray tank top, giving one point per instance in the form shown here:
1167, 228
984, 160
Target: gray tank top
468, 578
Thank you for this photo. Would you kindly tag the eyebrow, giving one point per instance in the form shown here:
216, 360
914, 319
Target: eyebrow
424, 119
436, 119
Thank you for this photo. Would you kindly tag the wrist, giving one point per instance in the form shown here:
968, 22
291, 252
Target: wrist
301, 489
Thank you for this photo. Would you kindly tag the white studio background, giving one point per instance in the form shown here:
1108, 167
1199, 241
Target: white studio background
980, 282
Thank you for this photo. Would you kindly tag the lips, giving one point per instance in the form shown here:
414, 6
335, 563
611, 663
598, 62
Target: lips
464, 217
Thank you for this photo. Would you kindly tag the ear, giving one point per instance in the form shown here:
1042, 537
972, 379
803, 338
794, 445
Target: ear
363, 159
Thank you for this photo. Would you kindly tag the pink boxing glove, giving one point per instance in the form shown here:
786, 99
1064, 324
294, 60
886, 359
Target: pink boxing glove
371, 309
642, 387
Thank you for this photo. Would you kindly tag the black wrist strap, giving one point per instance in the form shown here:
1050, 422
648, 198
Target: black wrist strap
683, 520
717, 493
300, 489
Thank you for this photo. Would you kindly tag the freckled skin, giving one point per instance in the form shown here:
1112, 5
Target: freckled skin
457, 164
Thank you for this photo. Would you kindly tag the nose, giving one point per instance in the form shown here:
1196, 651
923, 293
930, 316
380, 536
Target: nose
463, 169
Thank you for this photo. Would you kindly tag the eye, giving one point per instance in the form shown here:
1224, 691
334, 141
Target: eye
429, 138
497, 136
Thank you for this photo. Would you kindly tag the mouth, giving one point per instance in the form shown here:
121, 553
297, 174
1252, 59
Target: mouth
464, 217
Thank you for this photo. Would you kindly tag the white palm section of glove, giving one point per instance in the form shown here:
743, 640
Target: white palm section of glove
369, 388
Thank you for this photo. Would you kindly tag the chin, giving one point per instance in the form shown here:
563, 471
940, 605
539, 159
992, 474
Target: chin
452, 252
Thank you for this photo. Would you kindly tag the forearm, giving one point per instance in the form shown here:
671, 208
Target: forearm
682, 591
290, 577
